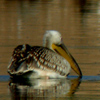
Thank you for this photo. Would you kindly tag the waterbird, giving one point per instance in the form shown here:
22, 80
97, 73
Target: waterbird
52, 60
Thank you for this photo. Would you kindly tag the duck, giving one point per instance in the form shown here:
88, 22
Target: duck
52, 60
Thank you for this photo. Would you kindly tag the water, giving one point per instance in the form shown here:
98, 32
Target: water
25, 21
58, 89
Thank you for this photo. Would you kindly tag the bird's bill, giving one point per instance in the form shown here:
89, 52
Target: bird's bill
62, 50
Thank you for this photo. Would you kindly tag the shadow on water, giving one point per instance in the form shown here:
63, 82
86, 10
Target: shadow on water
43, 88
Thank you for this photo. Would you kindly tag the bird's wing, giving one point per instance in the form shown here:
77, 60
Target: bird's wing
25, 60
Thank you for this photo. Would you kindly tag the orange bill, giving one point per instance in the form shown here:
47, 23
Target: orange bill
62, 50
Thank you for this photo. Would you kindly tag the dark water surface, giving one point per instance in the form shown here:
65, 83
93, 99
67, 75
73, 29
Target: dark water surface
25, 21
71, 88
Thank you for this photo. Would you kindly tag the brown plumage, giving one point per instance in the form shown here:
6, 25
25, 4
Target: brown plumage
51, 60
25, 58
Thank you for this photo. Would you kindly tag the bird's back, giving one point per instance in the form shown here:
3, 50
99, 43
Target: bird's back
27, 59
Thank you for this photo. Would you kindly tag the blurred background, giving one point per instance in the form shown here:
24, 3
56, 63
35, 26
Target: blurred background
25, 22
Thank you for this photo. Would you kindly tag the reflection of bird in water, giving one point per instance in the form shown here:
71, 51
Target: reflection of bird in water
43, 88
53, 60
